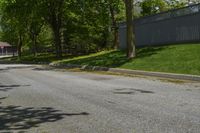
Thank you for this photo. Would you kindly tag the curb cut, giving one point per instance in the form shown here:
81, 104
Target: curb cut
130, 72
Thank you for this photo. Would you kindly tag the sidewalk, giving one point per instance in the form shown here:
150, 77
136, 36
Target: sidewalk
5, 56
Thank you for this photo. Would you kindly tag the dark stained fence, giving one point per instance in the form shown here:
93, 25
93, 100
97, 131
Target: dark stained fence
176, 26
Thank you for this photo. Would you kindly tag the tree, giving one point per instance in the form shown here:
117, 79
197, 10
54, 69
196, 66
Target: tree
35, 23
83, 26
88, 25
113, 8
14, 16
174, 4
52, 11
8, 34
131, 50
150, 7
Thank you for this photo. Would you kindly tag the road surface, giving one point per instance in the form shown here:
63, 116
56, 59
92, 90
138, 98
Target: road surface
38, 100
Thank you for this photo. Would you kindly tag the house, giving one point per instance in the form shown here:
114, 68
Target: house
5, 48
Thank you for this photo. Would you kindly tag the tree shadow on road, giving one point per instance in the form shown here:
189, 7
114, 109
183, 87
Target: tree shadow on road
21, 119
6, 88
17, 118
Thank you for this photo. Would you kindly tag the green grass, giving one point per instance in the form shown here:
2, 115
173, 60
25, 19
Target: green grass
174, 59
183, 59
41, 58
104, 59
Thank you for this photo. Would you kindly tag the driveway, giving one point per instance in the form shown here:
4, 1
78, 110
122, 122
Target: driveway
38, 100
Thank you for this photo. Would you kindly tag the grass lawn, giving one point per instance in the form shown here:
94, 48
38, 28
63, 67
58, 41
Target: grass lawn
43, 58
174, 59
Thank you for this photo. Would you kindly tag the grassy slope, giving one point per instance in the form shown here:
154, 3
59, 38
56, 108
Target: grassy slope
175, 58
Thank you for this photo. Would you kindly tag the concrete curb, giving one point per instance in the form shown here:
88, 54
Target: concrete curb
157, 74
130, 72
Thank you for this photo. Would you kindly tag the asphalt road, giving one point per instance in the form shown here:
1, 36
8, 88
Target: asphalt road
47, 101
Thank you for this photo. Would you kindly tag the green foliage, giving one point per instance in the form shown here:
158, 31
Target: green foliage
68, 26
62, 26
150, 7
173, 4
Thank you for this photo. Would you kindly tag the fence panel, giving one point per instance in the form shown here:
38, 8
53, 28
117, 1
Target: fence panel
159, 30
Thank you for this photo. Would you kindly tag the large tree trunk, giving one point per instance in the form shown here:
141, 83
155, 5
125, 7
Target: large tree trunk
57, 41
35, 45
19, 46
55, 20
114, 27
131, 51
56, 25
